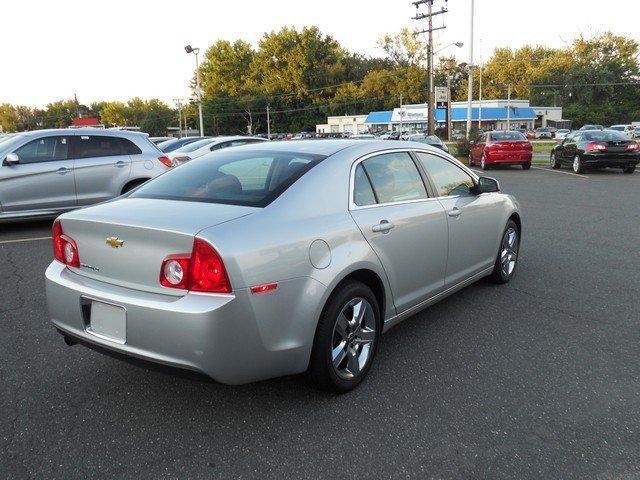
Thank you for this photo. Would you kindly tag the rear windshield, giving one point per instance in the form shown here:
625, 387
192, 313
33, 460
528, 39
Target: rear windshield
247, 177
193, 146
502, 136
604, 136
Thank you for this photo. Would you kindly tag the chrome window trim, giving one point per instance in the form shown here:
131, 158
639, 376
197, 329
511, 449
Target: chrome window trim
409, 150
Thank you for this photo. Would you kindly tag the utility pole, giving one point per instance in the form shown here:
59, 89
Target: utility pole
178, 102
75, 97
508, 107
430, 29
470, 83
449, 107
401, 115
268, 125
480, 98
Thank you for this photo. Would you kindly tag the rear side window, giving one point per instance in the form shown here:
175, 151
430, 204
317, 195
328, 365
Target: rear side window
45, 149
247, 177
394, 178
362, 192
129, 147
88, 146
449, 179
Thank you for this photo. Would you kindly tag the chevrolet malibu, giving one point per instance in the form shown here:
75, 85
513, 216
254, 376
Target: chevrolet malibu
278, 258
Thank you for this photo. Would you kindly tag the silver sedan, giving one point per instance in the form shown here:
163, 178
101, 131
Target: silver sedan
279, 258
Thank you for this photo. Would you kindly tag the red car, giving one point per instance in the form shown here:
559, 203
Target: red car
501, 148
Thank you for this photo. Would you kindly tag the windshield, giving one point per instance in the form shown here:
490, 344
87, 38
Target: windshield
167, 143
248, 177
504, 136
617, 127
192, 147
9, 142
604, 136
429, 139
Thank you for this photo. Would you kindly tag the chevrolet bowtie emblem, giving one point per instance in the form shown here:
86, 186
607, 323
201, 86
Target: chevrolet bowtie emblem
114, 242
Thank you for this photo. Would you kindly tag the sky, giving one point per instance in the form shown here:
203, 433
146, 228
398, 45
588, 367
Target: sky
117, 49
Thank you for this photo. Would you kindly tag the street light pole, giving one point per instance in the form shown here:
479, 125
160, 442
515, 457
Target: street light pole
470, 85
190, 49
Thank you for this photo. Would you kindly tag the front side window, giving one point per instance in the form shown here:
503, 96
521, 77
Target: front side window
246, 177
449, 179
91, 146
394, 177
44, 149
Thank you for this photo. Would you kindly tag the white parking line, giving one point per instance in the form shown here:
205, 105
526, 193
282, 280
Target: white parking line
20, 240
559, 171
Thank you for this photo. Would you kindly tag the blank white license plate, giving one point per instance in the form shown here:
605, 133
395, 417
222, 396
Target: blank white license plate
108, 321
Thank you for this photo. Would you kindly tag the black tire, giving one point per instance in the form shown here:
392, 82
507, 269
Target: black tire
498, 275
629, 169
526, 166
578, 165
553, 161
131, 185
321, 369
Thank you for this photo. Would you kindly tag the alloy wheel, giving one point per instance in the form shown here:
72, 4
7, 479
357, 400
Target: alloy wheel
509, 251
353, 336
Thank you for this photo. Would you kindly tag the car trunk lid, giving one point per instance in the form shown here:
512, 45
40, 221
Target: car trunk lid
124, 242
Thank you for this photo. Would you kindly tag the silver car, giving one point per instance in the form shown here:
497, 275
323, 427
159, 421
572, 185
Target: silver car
278, 258
46, 172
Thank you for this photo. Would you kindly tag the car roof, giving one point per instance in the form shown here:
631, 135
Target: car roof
85, 131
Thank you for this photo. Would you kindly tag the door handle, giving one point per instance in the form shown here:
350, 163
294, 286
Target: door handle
62, 171
455, 212
120, 164
384, 226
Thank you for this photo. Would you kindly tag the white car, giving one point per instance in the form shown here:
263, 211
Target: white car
562, 133
207, 145
627, 130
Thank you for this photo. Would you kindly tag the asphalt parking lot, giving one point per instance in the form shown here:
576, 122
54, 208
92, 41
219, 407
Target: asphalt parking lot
536, 379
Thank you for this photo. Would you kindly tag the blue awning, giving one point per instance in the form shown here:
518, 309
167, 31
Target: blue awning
459, 114
379, 117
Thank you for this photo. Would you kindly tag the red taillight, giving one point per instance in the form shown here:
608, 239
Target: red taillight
65, 249
596, 147
166, 161
202, 271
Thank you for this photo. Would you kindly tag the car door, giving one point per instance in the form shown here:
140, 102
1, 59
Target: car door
406, 228
42, 179
569, 147
101, 167
473, 220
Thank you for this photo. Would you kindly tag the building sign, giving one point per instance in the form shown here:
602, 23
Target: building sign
441, 97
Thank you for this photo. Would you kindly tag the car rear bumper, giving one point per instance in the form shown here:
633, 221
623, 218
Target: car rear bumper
234, 339
508, 158
616, 160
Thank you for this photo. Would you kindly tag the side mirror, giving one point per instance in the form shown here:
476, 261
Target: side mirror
487, 185
11, 159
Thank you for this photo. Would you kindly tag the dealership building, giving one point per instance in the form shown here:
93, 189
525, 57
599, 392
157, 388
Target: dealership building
490, 114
